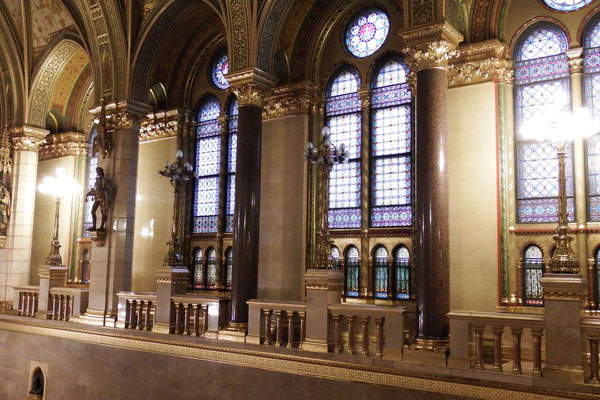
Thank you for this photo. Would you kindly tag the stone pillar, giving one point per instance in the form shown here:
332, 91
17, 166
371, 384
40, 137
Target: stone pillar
564, 296
249, 86
366, 284
51, 276
113, 250
15, 258
429, 58
224, 124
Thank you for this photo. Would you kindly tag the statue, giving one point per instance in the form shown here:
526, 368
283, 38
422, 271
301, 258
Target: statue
37, 386
102, 193
4, 208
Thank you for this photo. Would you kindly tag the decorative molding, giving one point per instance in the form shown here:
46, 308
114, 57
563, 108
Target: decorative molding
431, 46
250, 85
175, 275
324, 279
289, 100
432, 55
434, 32
63, 145
480, 62
27, 138
165, 124
571, 287
123, 114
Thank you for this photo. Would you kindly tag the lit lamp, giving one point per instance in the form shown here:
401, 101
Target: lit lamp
58, 186
325, 155
560, 129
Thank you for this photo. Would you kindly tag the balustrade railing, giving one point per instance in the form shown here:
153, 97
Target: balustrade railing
136, 310
467, 330
200, 315
369, 330
26, 300
274, 323
67, 303
590, 327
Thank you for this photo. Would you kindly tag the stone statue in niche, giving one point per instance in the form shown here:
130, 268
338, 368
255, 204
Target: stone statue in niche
37, 386
102, 194
4, 208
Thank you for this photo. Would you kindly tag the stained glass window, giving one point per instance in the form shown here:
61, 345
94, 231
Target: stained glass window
231, 155
335, 255
352, 271
380, 270
567, 5
541, 87
366, 32
533, 269
391, 145
591, 81
208, 158
228, 268
220, 69
211, 268
402, 273
343, 116
199, 276
90, 181
597, 273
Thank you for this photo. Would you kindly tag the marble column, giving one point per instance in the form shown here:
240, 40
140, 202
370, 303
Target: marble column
429, 61
366, 283
15, 258
249, 87
113, 254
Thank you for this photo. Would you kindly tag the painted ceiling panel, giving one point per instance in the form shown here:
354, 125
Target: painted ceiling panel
48, 17
16, 13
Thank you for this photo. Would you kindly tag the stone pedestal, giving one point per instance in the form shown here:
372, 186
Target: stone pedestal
323, 288
564, 295
51, 276
170, 281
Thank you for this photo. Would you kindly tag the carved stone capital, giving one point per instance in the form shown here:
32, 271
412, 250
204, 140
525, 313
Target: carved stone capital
163, 124
64, 144
289, 100
123, 114
27, 138
431, 55
365, 98
570, 287
431, 45
250, 86
576, 65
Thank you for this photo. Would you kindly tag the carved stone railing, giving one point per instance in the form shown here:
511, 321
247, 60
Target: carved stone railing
467, 330
590, 326
282, 316
373, 330
136, 310
200, 314
26, 300
68, 302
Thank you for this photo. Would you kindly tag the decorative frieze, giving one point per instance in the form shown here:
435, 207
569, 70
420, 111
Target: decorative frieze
431, 45
165, 124
480, 62
289, 100
250, 86
27, 138
64, 144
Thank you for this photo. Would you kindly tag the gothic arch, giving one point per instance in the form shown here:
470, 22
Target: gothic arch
12, 90
269, 27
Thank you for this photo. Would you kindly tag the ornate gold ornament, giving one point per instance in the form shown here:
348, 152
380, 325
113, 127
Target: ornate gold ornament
250, 86
289, 100
5, 159
27, 138
432, 55
164, 124
64, 144
480, 62
431, 45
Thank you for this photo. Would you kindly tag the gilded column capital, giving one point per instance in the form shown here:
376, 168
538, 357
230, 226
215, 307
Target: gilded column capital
64, 144
250, 86
480, 62
122, 114
27, 138
575, 60
365, 98
289, 100
223, 123
431, 45
169, 123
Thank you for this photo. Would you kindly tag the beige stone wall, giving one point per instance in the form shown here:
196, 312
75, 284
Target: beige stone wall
283, 208
153, 212
473, 198
45, 206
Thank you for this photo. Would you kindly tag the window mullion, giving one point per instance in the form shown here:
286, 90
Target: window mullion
366, 275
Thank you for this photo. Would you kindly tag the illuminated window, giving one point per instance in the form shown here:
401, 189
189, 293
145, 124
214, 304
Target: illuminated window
366, 32
228, 268
231, 154
220, 69
335, 255
352, 272
211, 268
380, 272
566, 5
402, 273
199, 275
533, 269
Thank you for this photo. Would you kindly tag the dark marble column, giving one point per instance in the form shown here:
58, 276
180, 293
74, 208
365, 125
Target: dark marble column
431, 210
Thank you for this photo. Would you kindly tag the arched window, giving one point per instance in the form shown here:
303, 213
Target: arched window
90, 181
597, 277
335, 255
199, 275
566, 5
228, 268
352, 272
402, 273
391, 144
85, 266
211, 268
232, 112
591, 79
541, 89
343, 116
533, 269
380, 271
208, 157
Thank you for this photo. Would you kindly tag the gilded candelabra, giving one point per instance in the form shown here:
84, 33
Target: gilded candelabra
179, 173
325, 155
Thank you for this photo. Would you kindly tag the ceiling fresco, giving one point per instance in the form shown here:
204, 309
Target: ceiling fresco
48, 18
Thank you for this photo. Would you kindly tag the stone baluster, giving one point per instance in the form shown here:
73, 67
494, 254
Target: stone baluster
71, 301
21, 304
267, 327
337, 337
478, 330
204, 319
27, 312
350, 320
290, 342
177, 319
196, 320
379, 321
132, 318
278, 330
594, 375
61, 306
537, 351
127, 313
516, 334
67, 310
498, 330
140, 315
148, 321
35, 303
364, 350
302, 327
186, 322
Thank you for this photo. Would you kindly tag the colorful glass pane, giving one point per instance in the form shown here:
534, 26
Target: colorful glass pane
344, 186
591, 37
391, 181
198, 270
567, 5
539, 98
207, 196
366, 32
541, 40
592, 102
393, 72
211, 269
228, 268
90, 182
352, 272
230, 207
392, 130
347, 81
209, 111
233, 112
533, 271
208, 156
220, 69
